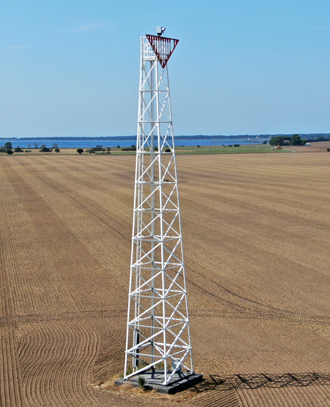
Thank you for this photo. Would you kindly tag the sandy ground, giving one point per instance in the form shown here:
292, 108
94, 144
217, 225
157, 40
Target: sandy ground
256, 232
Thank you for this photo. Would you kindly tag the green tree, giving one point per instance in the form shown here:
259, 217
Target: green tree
45, 149
18, 149
295, 140
8, 148
80, 150
276, 141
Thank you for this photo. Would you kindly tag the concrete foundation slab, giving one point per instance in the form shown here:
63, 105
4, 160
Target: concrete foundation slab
154, 381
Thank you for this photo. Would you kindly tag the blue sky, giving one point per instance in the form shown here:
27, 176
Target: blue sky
71, 68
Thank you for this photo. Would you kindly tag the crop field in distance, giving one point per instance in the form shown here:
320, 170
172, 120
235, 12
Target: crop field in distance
256, 233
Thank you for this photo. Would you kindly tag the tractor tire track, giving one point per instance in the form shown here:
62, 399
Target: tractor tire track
109, 362
60, 240
56, 362
217, 399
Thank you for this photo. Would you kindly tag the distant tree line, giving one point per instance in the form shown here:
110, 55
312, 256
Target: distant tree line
8, 148
95, 149
44, 149
132, 148
319, 138
294, 140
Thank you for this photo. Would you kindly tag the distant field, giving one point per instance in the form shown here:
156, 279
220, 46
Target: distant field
320, 146
256, 230
218, 149
248, 149
242, 149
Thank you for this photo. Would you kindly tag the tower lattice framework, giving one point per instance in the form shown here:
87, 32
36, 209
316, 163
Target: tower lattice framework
158, 332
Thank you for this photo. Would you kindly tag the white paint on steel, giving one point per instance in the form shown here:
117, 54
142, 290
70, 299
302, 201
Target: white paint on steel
158, 332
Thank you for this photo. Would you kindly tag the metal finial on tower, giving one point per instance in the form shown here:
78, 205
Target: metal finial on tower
158, 343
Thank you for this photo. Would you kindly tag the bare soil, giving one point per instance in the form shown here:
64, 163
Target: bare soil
312, 147
256, 232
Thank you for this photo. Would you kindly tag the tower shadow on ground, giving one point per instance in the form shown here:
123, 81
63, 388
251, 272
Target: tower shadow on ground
259, 380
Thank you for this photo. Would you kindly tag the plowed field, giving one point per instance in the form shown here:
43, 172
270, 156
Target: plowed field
256, 234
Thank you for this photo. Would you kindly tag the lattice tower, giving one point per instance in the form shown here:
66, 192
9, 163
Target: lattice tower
158, 332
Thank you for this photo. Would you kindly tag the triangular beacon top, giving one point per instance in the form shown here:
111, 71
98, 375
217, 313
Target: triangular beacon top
163, 47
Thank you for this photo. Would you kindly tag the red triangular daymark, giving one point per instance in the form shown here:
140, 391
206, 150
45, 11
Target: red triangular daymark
163, 47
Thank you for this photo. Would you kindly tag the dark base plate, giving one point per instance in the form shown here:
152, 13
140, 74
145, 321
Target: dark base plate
153, 381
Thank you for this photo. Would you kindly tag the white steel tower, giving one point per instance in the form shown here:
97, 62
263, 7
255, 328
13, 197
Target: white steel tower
158, 333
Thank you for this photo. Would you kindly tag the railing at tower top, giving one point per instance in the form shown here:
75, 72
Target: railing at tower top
148, 52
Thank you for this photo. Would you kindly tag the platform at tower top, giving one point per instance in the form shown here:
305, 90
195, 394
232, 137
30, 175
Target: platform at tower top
154, 381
